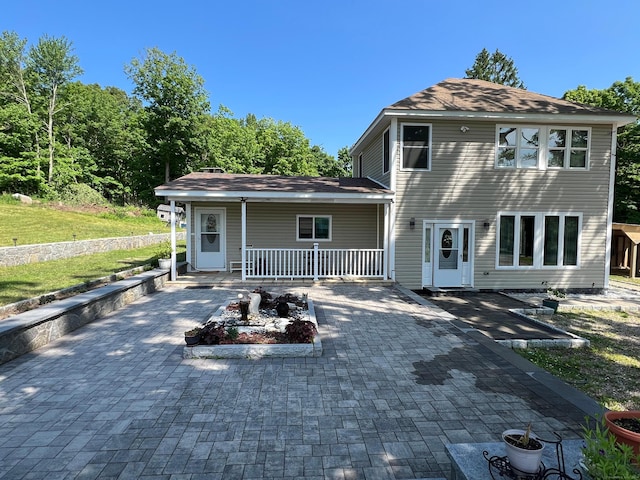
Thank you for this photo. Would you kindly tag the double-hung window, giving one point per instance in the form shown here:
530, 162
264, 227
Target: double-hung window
538, 240
416, 146
542, 147
313, 227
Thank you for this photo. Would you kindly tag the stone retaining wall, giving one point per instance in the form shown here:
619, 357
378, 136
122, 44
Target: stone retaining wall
23, 254
31, 330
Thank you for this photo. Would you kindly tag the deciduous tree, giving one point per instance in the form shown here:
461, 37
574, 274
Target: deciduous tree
623, 97
175, 107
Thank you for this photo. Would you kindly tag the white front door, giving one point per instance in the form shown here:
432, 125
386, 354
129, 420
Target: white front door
210, 239
447, 250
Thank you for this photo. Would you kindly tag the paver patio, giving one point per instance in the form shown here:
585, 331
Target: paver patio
396, 382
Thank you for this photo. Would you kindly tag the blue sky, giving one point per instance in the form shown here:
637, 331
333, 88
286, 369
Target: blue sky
330, 66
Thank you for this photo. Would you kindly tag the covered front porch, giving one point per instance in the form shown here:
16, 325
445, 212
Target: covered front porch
266, 227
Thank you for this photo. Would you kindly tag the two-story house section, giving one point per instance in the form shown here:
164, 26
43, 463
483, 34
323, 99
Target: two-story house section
494, 187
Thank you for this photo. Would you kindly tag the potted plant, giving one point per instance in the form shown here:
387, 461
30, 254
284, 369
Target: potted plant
603, 458
553, 299
192, 337
163, 253
524, 449
625, 427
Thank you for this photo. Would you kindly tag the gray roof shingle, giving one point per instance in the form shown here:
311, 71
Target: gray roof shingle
226, 182
468, 95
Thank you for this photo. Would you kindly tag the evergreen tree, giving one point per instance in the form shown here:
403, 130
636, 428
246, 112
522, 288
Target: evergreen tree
495, 68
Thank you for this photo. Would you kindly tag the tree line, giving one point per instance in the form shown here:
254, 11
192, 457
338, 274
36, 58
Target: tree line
59, 136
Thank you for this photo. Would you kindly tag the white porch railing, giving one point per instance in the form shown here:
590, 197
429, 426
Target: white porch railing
314, 263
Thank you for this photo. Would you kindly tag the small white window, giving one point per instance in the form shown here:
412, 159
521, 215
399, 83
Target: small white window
313, 228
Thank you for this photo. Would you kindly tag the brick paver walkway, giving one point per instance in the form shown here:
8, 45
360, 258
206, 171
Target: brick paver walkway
396, 382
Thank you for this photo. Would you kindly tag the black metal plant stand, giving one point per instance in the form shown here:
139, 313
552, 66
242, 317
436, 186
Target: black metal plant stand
501, 467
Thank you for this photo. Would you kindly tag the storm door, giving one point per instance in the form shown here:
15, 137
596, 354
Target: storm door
210, 239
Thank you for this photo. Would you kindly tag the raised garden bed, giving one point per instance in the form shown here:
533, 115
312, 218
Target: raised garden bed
258, 335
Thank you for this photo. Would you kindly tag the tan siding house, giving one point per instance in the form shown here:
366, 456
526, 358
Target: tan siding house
464, 184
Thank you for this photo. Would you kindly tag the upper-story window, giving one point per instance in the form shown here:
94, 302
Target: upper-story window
568, 148
359, 170
518, 147
542, 147
385, 151
416, 146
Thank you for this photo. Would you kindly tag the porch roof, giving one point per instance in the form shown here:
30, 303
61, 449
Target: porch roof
223, 186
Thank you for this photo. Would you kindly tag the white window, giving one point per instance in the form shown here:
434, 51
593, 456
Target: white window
525, 147
538, 240
518, 147
313, 228
568, 148
416, 146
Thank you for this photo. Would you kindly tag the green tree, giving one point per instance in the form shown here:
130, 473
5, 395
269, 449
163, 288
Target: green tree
50, 66
102, 123
175, 107
495, 67
344, 160
623, 97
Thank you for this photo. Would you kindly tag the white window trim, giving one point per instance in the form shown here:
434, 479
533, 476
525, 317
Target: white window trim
538, 247
313, 239
567, 148
386, 132
359, 166
543, 148
430, 148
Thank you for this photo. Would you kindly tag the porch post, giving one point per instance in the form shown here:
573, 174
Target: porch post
315, 262
243, 246
172, 272
385, 244
634, 260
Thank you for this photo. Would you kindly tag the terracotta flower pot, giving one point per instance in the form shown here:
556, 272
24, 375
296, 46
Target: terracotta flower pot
623, 435
522, 459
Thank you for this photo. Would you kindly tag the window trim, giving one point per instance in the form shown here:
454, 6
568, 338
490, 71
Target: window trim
539, 238
429, 147
543, 147
360, 166
313, 238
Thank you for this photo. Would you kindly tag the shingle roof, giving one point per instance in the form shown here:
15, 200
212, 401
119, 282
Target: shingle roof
229, 183
463, 94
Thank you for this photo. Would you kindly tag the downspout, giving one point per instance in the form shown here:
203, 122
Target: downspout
172, 272
612, 178
393, 137
243, 246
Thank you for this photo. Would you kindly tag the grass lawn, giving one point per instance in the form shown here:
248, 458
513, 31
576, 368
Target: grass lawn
608, 371
47, 223
32, 280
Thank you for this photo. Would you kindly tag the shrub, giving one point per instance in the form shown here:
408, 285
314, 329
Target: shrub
301, 331
212, 334
81, 194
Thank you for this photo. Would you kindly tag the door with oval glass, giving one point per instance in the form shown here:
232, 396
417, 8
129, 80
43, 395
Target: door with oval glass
210, 239
449, 240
